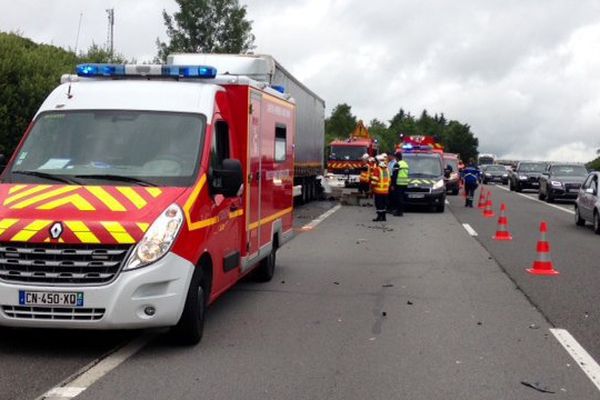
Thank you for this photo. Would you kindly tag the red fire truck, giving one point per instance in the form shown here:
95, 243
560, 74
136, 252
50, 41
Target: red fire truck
140, 193
345, 157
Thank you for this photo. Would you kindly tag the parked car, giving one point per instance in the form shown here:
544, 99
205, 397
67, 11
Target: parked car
561, 181
526, 175
494, 173
451, 174
587, 204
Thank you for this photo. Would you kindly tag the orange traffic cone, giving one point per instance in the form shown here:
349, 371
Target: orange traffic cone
543, 263
502, 232
481, 203
488, 212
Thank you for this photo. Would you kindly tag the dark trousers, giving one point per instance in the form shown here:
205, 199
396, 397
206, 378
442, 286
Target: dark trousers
380, 206
470, 192
398, 199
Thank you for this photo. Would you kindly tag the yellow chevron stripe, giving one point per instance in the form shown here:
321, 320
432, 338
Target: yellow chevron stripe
44, 196
7, 223
30, 230
133, 196
270, 218
118, 232
16, 188
189, 203
82, 232
154, 192
236, 213
106, 198
48, 240
20, 195
143, 226
79, 202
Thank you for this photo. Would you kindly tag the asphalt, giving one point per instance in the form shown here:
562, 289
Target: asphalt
411, 309
569, 300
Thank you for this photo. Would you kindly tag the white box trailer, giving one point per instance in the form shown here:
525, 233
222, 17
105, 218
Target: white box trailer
310, 117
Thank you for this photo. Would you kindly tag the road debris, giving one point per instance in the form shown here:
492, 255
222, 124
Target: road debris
388, 285
537, 386
534, 326
410, 303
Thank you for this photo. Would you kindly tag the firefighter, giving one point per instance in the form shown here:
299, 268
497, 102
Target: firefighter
470, 176
380, 185
364, 179
399, 184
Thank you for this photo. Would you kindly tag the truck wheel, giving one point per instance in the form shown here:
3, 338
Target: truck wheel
266, 269
578, 220
190, 327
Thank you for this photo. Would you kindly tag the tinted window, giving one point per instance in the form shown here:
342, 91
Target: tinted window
162, 148
347, 152
424, 165
532, 167
568, 170
280, 143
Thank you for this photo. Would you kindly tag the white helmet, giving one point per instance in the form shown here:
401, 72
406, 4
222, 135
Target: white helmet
379, 157
365, 156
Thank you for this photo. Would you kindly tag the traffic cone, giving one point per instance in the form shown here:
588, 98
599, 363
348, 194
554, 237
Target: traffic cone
481, 203
502, 232
543, 263
488, 212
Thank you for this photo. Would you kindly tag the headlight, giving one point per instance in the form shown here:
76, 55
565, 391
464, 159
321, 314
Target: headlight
556, 183
523, 177
488, 174
438, 185
505, 175
158, 238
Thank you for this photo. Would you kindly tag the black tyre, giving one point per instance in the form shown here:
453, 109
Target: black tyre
511, 187
541, 196
549, 198
440, 208
518, 188
190, 328
578, 220
596, 223
266, 269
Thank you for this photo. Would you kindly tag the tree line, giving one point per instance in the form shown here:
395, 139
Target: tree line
454, 135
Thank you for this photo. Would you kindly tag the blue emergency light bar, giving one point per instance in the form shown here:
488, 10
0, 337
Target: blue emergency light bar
409, 148
124, 70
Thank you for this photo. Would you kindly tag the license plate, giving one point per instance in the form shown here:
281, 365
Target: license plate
64, 299
416, 196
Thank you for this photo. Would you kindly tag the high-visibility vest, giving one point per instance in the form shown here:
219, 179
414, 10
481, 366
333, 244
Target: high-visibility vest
380, 181
365, 173
402, 178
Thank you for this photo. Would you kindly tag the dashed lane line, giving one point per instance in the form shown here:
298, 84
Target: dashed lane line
470, 230
312, 224
580, 355
539, 201
87, 376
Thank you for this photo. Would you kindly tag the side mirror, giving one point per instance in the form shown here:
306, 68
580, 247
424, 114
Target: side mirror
227, 180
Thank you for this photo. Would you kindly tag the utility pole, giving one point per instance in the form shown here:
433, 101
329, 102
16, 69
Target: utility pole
111, 32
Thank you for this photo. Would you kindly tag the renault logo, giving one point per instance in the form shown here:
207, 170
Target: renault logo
56, 230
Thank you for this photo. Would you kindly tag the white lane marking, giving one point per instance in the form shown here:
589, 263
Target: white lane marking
87, 376
312, 224
469, 229
581, 357
539, 201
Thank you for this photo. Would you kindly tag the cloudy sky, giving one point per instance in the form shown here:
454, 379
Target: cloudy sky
525, 74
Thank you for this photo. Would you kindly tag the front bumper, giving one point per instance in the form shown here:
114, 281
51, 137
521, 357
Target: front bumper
118, 305
562, 193
425, 198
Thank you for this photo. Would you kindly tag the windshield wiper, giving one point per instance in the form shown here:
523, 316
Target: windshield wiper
122, 178
45, 175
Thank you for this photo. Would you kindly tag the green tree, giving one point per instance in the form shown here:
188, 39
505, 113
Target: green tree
207, 26
340, 123
98, 54
594, 165
460, 139
402, 124
28, 72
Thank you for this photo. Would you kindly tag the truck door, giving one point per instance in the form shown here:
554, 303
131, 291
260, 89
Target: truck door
254, 174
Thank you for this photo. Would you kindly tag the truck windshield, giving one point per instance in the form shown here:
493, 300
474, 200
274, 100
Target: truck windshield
118, 147
424, 165
347, 152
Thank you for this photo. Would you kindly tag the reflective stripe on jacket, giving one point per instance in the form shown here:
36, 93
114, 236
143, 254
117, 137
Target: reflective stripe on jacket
365, 174
380, 181
402, 179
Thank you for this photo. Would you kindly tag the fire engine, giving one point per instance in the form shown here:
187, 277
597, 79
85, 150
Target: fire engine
140, 193
345, 157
